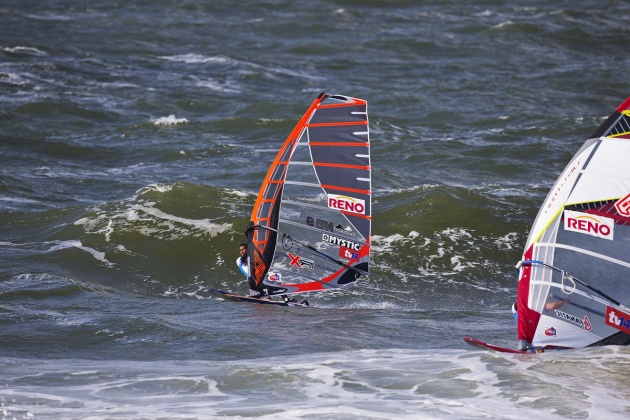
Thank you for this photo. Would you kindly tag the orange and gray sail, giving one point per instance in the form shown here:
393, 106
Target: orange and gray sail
310, 227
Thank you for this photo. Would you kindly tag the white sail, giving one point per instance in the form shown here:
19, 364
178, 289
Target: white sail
575, 271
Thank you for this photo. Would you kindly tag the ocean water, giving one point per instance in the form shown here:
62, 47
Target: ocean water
133, 140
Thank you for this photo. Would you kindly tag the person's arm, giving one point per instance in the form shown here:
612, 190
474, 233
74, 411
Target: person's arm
550, 306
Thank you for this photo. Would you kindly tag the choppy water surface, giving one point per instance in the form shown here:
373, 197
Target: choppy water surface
133, 140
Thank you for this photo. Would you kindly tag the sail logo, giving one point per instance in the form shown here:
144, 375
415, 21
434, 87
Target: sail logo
344, 229
300, 262
617, 319
328, 226
345, 203
275, 291
341, 242
275, 277
585, 323
623, 206
551, 332
590, 224
348, 254
561, 183
320, 224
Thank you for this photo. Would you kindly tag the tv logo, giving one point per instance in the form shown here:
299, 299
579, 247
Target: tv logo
617, 319
348, 253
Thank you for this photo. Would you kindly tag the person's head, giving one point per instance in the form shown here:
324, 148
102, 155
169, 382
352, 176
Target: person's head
242, 249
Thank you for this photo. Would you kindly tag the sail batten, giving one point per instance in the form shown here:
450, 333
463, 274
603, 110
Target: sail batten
585, 252
337, 144
334, 124
339, 165
304, 184
340, 188
320, 203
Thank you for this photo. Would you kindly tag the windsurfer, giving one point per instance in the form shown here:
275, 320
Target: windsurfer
515, 311
241, 261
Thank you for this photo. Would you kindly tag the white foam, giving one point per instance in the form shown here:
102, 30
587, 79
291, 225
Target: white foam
50, 16
239, 193
20, 49
14, 79
151, 221
196, 58
371, 305
170, 120
100, 256
508, 241
503, 24
372, 384
161, 188
415, 188
204, 225
384, 244
218, 86
17, 200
